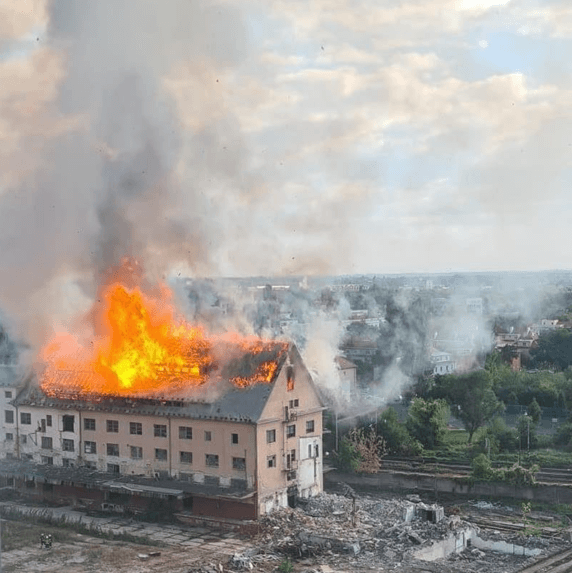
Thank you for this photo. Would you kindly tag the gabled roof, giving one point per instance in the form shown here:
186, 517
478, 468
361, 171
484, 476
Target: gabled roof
229, 402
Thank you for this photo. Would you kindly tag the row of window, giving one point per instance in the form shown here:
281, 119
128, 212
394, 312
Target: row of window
290, 431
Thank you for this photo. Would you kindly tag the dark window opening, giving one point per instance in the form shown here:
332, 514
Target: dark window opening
238, 463
185, 433
234, 439
112, 426
88, 423
68, 423
136, 428
160, 431
211, 460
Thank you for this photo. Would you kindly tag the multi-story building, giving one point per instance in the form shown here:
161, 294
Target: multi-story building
238, 454
10, 382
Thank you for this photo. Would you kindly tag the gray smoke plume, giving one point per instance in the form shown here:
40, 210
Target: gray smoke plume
112, 185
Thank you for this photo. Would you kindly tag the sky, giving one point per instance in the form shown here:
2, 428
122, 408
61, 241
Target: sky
283, 137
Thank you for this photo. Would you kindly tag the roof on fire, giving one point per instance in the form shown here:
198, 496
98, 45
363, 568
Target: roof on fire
234, 404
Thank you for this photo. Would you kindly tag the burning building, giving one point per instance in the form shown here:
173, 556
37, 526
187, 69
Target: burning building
151, 407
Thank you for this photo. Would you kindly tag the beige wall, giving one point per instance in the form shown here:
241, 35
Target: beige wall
274, 482
220, 444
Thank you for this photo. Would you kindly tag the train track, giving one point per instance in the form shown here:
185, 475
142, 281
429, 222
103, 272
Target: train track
547, 475
560, 562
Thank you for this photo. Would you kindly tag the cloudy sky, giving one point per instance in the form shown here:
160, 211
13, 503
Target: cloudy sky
284, 136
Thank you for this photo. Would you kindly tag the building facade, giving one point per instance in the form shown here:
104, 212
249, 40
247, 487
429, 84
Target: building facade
241, 454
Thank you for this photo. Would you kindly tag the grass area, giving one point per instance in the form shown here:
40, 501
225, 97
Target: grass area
19, 535
60, 529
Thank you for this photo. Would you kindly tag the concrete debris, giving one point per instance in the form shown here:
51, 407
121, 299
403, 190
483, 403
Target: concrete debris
388, 531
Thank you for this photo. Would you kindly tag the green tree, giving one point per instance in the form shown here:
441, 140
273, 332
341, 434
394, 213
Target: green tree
554, 349
503, 439
534, 411
471, 397
347, 457
427, 421
395, 434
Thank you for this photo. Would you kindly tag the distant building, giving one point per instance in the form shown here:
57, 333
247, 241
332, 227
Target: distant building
443, 363
348, 377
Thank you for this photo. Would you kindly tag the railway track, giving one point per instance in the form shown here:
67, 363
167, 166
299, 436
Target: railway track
547, 474
557, 563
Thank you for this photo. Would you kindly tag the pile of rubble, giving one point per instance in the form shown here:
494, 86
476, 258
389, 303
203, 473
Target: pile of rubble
365, 532
364, 529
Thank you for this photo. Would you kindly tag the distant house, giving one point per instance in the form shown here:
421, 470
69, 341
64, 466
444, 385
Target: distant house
443, 363
348, 376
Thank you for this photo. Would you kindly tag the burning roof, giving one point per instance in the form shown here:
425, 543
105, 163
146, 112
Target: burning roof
139, 347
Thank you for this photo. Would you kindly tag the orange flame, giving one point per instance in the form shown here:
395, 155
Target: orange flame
144, 349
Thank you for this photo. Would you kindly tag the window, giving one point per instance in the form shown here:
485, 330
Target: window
309, 426
208, 436
160, 454
294, 403
291, 431
68, 423
47, 443
91, 465
49, 420
238, 463
211, 460
9, 416
113, 468
89, 448
25, 418
113, 426
317, 450
136, 428
185, 433
24, 439
271, 461
67, 463
186, 457
309, 450
270, 436
160, 431
67, 445
48, 460
136, 452
234, 439
9, 437
88, 424
8, 394
113, 449
289, 378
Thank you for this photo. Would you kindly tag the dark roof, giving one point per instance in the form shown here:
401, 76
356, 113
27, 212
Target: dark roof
85, 477
229, 402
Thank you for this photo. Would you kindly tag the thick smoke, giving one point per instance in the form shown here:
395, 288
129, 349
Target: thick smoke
109, 182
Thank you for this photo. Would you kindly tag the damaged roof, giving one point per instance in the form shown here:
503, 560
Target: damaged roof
232, 403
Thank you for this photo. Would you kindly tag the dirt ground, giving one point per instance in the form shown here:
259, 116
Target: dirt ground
84, 554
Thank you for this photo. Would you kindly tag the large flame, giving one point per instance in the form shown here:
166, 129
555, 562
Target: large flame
144, 349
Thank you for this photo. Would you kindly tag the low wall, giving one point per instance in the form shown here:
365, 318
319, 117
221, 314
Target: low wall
400, 481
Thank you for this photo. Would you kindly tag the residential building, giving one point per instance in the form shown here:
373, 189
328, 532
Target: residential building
239, 453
